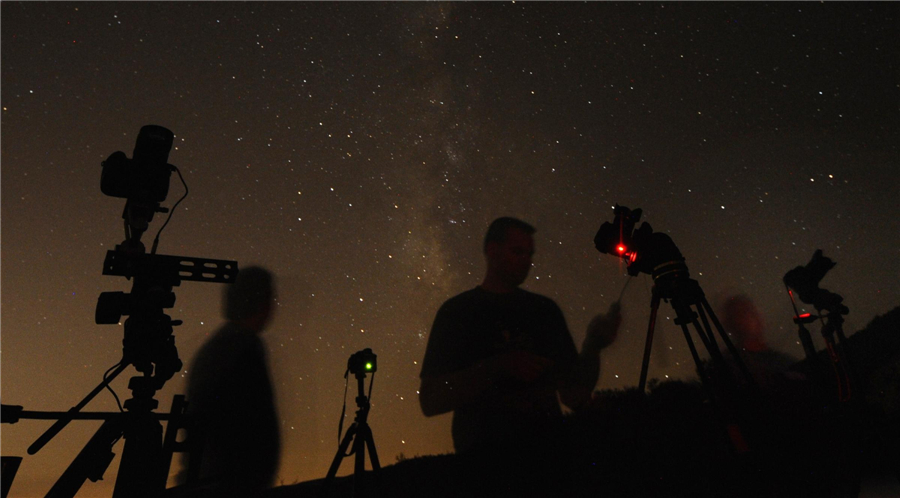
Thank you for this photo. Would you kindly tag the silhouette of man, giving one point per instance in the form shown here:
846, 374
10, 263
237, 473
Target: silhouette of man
231, 407
743, 320
498, 355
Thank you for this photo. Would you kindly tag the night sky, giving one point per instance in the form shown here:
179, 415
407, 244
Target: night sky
360, 150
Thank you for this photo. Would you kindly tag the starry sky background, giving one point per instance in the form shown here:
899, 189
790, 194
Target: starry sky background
359, 151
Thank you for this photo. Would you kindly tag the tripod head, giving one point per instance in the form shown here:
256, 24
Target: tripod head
805, 281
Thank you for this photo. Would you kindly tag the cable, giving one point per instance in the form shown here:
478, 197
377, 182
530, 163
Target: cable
109, 388
621, 294
344, 409
171, 211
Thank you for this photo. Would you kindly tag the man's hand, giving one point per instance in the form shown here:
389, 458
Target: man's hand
604, 328
522, 365
601, 332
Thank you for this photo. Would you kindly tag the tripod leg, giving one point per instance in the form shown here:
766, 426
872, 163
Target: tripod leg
695, 356
359, 464
141, 469
710, 336
61, 423
686, 315
370, 443
376, 465
341, 452
91, 462
175, 423
645, 365
364, 439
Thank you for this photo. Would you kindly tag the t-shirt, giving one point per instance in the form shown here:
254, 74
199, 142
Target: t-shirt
478, 324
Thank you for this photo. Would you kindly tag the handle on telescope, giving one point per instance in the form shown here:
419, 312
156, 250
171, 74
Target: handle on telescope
61, 423
10, 414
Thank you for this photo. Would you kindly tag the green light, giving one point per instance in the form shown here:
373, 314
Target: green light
368, 366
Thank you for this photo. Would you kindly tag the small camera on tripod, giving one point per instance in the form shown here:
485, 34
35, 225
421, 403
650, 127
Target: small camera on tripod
362, 362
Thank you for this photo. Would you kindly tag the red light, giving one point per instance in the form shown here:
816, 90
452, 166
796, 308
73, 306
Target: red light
805, 315
621, 248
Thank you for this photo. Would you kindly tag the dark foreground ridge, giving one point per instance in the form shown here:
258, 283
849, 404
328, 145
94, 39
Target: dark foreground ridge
674, 443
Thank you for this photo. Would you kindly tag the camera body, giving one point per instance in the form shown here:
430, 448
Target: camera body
644, 250
144, 177
362, 362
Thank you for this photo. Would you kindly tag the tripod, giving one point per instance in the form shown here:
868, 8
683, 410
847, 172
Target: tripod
360, 435
656, 254
672, 283
149, 346
146, 457
149, 343
837, 352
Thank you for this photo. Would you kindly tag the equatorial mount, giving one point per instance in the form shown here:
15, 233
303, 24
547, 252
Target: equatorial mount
148, 343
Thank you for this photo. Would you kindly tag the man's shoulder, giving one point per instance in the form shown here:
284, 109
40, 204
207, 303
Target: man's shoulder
477, 294
231, 332
465, 298
228, 341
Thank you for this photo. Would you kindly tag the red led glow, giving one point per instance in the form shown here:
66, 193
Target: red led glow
620, 248
805, 315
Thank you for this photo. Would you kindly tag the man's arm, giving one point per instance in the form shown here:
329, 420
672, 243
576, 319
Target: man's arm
580, 384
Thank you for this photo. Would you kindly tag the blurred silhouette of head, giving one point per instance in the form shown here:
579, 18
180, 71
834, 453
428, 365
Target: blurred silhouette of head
508, 248
249, 299
741, 318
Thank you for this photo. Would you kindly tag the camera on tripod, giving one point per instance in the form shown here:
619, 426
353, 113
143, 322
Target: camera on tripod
644, 250
146, 175
655, 254
149, 341
805, 280
362, 362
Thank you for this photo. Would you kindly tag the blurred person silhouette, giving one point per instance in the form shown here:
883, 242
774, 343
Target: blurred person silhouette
501, 358
233, 436
743, 321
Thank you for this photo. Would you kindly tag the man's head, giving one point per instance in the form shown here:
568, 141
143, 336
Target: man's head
744, 322
249, 299
508, 248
